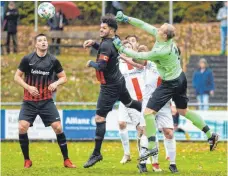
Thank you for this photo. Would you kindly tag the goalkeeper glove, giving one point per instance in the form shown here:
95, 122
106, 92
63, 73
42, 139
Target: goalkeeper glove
121, 17
118, 44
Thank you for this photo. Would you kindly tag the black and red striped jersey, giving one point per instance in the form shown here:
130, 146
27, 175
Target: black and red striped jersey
39, 73
108, 53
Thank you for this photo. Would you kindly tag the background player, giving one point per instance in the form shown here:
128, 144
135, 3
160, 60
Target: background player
164, 121
135, 85
37, 69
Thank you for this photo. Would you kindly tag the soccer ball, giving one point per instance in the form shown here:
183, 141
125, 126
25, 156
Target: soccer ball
46, 10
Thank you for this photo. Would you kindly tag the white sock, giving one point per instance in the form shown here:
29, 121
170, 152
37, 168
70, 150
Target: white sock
166, 150
125, 141
171, 148
155, 157
143, 146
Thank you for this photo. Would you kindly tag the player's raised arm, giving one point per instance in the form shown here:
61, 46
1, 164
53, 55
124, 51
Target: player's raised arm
89, 43
152, 55
130, 61
102, 60
137, 23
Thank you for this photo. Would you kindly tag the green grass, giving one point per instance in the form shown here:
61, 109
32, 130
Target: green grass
193, 159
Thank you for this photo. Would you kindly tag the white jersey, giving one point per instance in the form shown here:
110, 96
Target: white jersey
134, 78
135, 85
151, 78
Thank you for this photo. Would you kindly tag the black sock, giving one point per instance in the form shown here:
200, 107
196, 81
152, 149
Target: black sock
61, 138
24, 143
180, 130
206, 129
100, 132
136, 105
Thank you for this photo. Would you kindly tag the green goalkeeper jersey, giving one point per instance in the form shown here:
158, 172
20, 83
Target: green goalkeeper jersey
164, 54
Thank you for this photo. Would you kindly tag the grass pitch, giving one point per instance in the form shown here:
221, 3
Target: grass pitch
193, 158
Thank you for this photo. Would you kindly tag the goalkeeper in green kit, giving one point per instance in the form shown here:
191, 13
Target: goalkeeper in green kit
174, 84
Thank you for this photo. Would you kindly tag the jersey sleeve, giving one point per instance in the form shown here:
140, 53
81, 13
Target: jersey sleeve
144, 26
151, 55
105, 54
105, 49
57, 66
24, 65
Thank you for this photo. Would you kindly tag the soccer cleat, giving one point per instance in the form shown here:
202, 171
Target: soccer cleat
213, 141
142, 167
67, 163
148, 153
93, 160
156, 167
125, 159
173, 168
28, 163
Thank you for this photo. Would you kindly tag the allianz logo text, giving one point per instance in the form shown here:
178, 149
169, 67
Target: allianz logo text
75, 120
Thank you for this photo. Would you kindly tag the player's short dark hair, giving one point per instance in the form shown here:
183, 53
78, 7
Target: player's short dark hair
110, 20
137, 39
39, 35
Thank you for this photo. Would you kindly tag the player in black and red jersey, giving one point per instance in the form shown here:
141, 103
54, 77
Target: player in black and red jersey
112, 86
37, 69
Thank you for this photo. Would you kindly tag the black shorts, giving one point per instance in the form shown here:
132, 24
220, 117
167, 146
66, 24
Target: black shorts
46, 109
175, 89
108, 96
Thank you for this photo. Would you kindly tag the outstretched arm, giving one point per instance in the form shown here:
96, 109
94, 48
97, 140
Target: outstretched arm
140, 55
137, 23
131, 62
144, 26
152, 55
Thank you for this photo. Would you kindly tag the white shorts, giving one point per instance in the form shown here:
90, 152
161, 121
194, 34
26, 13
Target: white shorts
163, 117
130, 115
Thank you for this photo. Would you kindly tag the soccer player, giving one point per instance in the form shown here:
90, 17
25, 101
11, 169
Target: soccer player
164, 121
37, 69
134, 40
174, 84
135, 85
113, 86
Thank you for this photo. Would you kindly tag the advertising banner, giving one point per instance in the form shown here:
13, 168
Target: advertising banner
2, 124
79, 124
38, 131
216, 120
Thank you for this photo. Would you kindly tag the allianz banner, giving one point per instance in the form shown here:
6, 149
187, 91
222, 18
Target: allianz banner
79, 124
